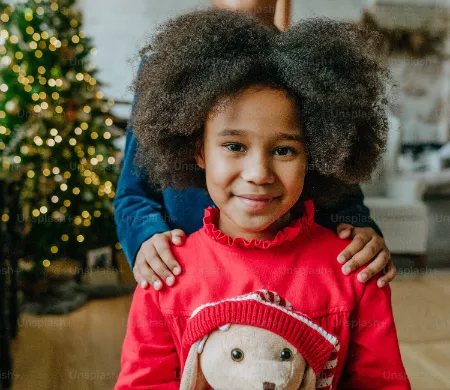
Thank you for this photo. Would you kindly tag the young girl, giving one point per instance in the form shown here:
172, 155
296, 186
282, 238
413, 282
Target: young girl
272, 124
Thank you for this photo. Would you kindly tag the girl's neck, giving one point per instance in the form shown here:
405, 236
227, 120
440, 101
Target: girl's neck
227, 226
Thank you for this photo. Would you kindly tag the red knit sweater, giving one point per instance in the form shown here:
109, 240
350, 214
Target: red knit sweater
300, 265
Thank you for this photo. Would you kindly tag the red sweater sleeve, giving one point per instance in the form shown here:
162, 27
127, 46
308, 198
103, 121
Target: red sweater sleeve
149, 358
373, 359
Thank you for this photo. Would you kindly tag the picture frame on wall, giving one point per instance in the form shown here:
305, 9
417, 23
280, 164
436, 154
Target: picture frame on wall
100, 269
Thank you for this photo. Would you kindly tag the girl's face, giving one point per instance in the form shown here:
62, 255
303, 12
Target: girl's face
255, 162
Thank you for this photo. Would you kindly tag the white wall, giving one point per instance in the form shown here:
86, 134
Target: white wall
119, 27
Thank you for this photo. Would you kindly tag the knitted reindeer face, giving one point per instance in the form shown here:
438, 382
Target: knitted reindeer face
248, 358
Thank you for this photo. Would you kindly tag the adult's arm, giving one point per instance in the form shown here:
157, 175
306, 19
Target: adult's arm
350, 210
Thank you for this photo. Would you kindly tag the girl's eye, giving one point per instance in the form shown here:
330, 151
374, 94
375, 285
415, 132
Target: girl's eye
283, 151
237, 354
286, 354
234, 147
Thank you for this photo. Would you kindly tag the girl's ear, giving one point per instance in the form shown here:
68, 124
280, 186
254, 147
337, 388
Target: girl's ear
193, 378
309, 379
199, 156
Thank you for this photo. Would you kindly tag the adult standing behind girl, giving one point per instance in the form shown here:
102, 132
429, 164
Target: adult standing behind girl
150, 220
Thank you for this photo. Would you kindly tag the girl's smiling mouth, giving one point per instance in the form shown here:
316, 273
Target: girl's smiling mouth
256, 202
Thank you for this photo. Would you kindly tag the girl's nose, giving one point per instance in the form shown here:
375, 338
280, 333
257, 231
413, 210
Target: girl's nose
258, 170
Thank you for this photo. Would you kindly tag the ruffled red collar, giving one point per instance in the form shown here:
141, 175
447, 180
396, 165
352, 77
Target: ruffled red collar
289, 233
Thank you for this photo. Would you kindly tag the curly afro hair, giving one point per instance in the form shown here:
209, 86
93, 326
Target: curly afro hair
199, 60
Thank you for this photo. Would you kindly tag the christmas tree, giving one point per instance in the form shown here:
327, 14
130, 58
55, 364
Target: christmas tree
56, 134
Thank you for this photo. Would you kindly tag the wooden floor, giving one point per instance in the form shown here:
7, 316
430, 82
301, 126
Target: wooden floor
81, 351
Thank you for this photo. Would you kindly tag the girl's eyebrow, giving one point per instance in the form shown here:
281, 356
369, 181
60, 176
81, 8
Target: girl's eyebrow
279, 136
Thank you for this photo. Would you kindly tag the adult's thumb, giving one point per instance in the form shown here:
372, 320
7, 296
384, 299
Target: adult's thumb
178, 236
344, 230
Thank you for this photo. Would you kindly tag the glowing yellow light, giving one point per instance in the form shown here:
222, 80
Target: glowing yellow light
30, 174
112, 194
67, 203
5, 217
75, 39
53, 132
4, 18
17, 159
36, 36
80, 238
35, 213
55, 95
2, 114
27, 88
33, 45
108, 122
79, 76
2, 129
64, 237
55, 170
16, 68
54, 249
94, 135
77, 220
46, 172
38, 54
41, 70
42, 80
67, 174
18, 55
78, 131
72, 141
51, 82
14, 39
3, 87
108, 184
40, 11
63, 187
43, 209
44, 35
86, 222
51, 142
99, 95
55, 199
46, 263
76, 191
58, 109
106, 135
94, 51
97, 213
37, 108
94, 161
88, 180
87, 109
42, 45
42, 95
91, 150
54, 7
84, 126
62, 209
99, 157
59, 83
44, 105
58, 138
29, 30
28, 15
85, 214
92, 81
38, 141
74, 23
35, 96
118, 246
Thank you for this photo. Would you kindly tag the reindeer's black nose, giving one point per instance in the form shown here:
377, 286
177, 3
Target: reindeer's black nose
268, 386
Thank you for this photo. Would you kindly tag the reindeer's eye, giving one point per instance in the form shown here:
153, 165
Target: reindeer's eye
286, 354
237, 355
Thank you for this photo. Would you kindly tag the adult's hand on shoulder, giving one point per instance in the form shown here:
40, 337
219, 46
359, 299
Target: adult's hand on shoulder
155, 261
367, 247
